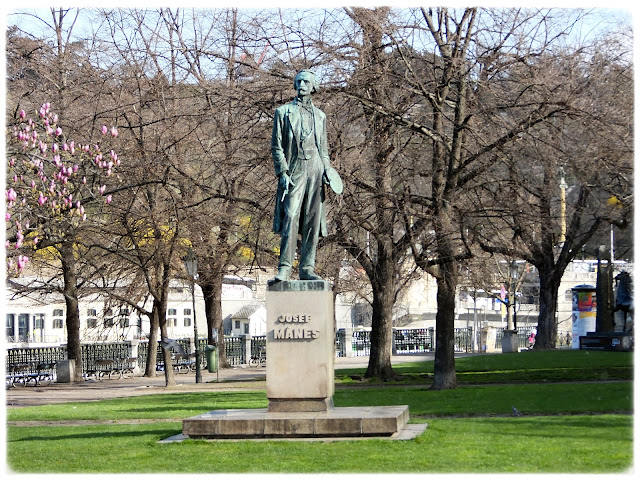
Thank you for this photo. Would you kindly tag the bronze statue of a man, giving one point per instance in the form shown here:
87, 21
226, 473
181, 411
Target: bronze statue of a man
301, 161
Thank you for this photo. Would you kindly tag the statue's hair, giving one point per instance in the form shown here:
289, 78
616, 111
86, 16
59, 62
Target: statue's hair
314, 80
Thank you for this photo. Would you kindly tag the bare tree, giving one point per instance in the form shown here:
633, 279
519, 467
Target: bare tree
570, 178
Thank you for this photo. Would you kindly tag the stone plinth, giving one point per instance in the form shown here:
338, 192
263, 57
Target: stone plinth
300, 346
300, 379
66, 371
260, 423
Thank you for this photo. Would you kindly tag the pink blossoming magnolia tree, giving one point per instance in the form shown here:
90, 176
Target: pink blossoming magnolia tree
54, 185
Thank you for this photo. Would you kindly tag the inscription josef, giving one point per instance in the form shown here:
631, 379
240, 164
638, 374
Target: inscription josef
293, 319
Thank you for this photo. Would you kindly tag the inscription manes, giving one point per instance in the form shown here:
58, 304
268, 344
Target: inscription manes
294, 327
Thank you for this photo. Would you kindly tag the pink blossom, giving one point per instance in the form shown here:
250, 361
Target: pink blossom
22, 262
22, 114
11, 195
109, 198
114, 132
42, 199
58, 131
102, 189
104, 130
7, 217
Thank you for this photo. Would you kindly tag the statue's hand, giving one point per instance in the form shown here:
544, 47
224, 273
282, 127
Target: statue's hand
285, 183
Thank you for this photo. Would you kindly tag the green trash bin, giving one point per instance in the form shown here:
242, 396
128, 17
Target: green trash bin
212, 358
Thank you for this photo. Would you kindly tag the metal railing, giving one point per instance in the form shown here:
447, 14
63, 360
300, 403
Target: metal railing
406, 341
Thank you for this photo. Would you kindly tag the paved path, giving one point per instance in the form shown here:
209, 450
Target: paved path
237, 378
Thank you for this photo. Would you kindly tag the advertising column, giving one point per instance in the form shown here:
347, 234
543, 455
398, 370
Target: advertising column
584, 313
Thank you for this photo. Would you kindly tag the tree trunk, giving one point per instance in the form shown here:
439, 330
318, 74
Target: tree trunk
212, 291
70, 292
382, 319
161, 308
547, 323
444, 367
152, 354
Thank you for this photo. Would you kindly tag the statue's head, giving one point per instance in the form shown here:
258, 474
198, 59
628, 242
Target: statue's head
310, 75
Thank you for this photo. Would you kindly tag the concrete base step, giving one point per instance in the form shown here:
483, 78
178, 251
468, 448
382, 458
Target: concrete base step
259, 423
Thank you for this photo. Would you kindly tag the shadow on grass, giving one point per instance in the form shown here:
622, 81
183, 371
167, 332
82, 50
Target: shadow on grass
191, 402
571, 428
98, 435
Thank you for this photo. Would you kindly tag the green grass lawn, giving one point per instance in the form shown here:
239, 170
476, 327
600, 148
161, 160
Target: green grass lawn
527, 366
499, 444
567, 427
530, 399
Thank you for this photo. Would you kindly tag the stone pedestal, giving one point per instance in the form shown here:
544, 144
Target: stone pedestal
65, 371
300, 379
510, 341
300, 346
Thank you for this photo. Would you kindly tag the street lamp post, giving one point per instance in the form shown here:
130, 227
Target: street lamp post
191, 265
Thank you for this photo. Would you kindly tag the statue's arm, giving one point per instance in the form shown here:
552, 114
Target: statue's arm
324, 148
277, 149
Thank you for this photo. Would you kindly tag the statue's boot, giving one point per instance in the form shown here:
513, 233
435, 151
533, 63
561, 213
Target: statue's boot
283, 274
309, 274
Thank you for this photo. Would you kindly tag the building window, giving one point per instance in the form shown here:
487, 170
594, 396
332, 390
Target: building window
23, 327
172, 312
187, 322
58, 318
246, 328
237, 324
92, 322
124, 322
38, 321
11, 318
107, 322
92, 312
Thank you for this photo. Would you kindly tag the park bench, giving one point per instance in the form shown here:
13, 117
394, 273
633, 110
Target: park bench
183, 363
17, 374
126, 367
113, 368
22, 374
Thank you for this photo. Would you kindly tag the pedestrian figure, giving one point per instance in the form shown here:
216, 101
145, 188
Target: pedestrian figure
532, 340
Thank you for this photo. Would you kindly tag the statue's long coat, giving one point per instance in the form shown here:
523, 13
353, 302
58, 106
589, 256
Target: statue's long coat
284, 150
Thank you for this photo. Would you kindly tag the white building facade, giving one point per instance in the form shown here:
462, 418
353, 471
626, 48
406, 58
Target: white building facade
39, 320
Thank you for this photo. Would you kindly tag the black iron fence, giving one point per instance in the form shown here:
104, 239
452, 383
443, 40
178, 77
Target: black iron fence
239, 350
